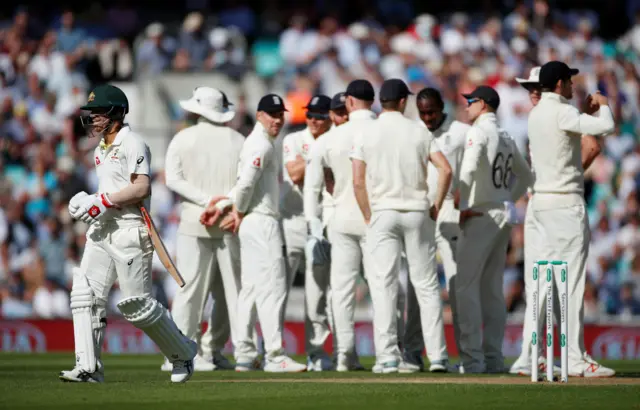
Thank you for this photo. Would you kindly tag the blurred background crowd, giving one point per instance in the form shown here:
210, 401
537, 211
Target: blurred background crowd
50, 57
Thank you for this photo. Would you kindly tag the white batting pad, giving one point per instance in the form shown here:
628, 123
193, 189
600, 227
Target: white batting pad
152, 318
81, 303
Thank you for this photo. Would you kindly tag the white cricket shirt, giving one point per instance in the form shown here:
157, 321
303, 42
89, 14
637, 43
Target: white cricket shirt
555, 131
396, 151
202, 162
257, 188
127, 155
492, 170
332, 152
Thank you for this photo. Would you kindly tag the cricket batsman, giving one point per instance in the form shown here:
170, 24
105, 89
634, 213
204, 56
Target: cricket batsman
296, 150
389, 165
487, 186
255, 200
118, 245
558, 210
201, 163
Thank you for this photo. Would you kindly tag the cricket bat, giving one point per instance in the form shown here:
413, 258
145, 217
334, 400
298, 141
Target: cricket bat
161, 249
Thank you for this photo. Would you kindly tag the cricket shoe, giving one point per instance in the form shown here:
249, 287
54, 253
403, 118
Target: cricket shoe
200, 364
78, 375
248, 365
319, 363
283, 364
348, 362
524, 369
443, 366
182, 370
590, 368
392, 366
220, 362
407, 367
414, 359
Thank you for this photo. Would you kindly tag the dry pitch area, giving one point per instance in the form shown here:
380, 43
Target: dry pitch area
136, 382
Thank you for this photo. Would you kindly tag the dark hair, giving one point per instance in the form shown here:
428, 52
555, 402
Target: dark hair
430, 94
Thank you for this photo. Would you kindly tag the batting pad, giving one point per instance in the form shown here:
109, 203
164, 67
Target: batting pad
151, 317
81, 303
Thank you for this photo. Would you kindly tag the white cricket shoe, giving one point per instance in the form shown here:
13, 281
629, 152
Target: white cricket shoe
387, 367
283, 364
78, 375
590, 368
406, 367
524, 369
319, 363
244, 364
414, 359
348, 362
166, 365
443, 366
200, 364
182, 370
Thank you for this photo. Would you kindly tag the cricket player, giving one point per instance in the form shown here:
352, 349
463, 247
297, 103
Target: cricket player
557, 208
450, 137
346, 226
390, 158
118, 245
338, 110
255, 199
487, 185
296, 148
590, 150
201, 163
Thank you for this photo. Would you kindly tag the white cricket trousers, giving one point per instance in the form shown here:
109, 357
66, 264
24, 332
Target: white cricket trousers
446, 237
316, 285
562, 233
209, 267
348, 255
481, 256
388, 233
264, 286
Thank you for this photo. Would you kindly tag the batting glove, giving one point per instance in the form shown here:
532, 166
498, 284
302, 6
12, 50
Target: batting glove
74, 203
93, 207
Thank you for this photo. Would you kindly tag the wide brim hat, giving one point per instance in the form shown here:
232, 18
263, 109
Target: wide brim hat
220, 114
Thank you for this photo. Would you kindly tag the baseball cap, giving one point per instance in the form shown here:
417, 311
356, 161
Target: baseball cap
106, 96
318, 107
360, 89
394, 90
338, 102
271, 103
553, 71
486, 94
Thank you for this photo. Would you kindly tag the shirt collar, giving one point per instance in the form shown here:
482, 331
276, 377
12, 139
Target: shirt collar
259, 129
363, 114
119, 136
391, 114
553, 96
486, 117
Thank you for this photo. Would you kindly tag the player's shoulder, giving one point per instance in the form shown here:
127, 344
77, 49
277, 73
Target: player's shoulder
459, 128
133, 139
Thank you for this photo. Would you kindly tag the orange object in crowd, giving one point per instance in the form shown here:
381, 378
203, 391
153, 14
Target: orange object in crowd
296, 101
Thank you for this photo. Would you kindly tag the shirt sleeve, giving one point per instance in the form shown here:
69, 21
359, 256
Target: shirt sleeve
473, 150
572, 121
175, 179
313, 181
357, 148
289, 149
248, 176
139, 158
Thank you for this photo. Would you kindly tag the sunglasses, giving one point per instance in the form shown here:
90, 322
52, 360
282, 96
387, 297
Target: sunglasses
317, 116
470, 101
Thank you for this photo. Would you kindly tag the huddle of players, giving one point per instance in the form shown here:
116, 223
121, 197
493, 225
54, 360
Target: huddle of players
360, 193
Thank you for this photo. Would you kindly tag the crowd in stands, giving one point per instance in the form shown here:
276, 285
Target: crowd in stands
47, 69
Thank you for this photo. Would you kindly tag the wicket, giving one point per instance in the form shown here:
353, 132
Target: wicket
549, 267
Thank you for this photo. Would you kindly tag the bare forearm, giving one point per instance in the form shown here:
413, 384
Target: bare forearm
590, 149
296, 171
131, 194
444, 181
360, 191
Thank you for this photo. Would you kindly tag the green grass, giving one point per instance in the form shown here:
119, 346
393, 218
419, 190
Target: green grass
136, 382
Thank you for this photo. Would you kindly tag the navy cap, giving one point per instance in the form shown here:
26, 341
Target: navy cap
553, 71
394, 90
361, 89
486, 94
318, 106
338, 102
271, 103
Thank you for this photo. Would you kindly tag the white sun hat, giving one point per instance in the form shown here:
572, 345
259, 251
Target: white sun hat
534, 77
210, 103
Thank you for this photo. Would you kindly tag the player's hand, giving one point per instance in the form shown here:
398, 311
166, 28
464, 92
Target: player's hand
433, 212
92, 208
592, 105
214, 210
74, 203
600, 99
468, 214
230, 222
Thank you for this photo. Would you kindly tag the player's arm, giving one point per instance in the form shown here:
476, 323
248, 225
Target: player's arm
524, 176
139, 169
571, 120
359, 172
313, 183
589, 149
445, 174
474, 148
175, 179
293, 161
249, 176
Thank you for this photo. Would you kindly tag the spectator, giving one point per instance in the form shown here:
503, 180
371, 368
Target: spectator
193, 42
154, 54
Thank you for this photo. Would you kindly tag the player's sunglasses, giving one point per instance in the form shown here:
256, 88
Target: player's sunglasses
471, 101
317, 115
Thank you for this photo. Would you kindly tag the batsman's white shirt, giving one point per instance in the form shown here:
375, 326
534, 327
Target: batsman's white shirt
558, 226
396, 151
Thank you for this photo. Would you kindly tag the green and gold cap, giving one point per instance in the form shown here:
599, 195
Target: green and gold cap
106, 96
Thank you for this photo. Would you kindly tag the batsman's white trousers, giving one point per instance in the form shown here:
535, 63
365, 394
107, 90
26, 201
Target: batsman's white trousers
316, 285
387, 234
446, 237
264, 285
209, 267
481, 256
562, 233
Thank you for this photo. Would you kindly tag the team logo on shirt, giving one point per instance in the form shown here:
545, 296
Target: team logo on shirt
305, 148
139, 160
97, 160
114, 155
286, 149
92, 97
256, 162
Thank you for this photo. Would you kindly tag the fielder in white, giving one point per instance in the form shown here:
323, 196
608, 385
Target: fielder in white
558, 210
346, 226
118, 245
390, 162
450, 136
296, 148
490, 164
590, 150
255, 198
201, 163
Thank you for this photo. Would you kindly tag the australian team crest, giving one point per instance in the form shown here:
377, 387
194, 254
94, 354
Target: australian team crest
92, 97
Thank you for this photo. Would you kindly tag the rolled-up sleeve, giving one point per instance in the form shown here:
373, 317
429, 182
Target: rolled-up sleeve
571, 120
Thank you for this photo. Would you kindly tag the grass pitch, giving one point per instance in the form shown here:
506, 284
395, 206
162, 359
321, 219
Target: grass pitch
136, 382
